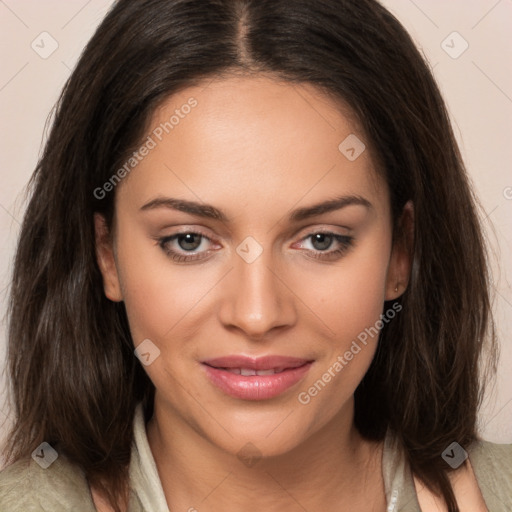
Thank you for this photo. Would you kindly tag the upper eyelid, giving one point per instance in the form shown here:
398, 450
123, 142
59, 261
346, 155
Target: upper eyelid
302, 238
308, 231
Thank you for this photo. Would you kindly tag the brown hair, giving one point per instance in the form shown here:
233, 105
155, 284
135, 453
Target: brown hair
74, 378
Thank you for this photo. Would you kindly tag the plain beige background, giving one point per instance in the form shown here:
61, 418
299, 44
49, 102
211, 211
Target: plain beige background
467, 43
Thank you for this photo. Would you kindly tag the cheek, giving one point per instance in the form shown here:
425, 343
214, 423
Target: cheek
157, 294
349, 300
349, 296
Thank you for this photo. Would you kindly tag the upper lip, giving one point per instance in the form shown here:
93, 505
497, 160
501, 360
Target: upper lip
259, 363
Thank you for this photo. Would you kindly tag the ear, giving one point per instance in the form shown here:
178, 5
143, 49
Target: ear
106, 260
399, 269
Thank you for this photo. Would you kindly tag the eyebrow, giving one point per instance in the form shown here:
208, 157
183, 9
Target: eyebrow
211, 212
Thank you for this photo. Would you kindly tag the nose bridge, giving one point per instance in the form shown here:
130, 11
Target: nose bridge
256, 300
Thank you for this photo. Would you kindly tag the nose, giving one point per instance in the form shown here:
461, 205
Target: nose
257, 299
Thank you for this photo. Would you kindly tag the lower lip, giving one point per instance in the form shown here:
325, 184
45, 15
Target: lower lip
255, 387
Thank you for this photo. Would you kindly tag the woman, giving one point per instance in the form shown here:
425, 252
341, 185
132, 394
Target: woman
244, 281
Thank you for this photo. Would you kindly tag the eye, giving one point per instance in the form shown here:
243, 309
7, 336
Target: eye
323, 240
190, 245
179, 246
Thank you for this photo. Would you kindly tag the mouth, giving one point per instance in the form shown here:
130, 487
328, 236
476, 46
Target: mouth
255, 379
250, 371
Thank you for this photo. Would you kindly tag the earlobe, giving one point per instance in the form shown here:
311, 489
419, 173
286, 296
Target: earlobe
401, 256
106, 260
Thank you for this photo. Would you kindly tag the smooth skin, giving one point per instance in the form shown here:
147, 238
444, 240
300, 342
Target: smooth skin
256, 149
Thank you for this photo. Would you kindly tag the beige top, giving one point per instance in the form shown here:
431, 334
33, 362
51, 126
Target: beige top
62, 487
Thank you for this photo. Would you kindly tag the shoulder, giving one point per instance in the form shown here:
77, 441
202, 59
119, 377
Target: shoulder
26, 486
492, 465
494, 453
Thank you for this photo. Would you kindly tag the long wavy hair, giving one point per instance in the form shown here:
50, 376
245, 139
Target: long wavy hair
74, 379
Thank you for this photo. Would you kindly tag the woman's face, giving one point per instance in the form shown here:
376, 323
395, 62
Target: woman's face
219, 252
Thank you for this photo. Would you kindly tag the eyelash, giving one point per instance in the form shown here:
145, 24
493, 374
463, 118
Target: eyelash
346, 243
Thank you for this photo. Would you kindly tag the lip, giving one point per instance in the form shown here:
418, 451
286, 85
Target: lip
255, 363
256, 387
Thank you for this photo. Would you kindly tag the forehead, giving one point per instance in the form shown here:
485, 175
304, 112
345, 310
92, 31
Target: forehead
254, 138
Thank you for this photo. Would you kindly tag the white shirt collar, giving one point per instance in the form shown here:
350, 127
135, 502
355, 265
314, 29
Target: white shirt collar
144, 478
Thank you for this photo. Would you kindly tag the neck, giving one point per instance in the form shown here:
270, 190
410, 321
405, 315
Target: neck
334, 465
